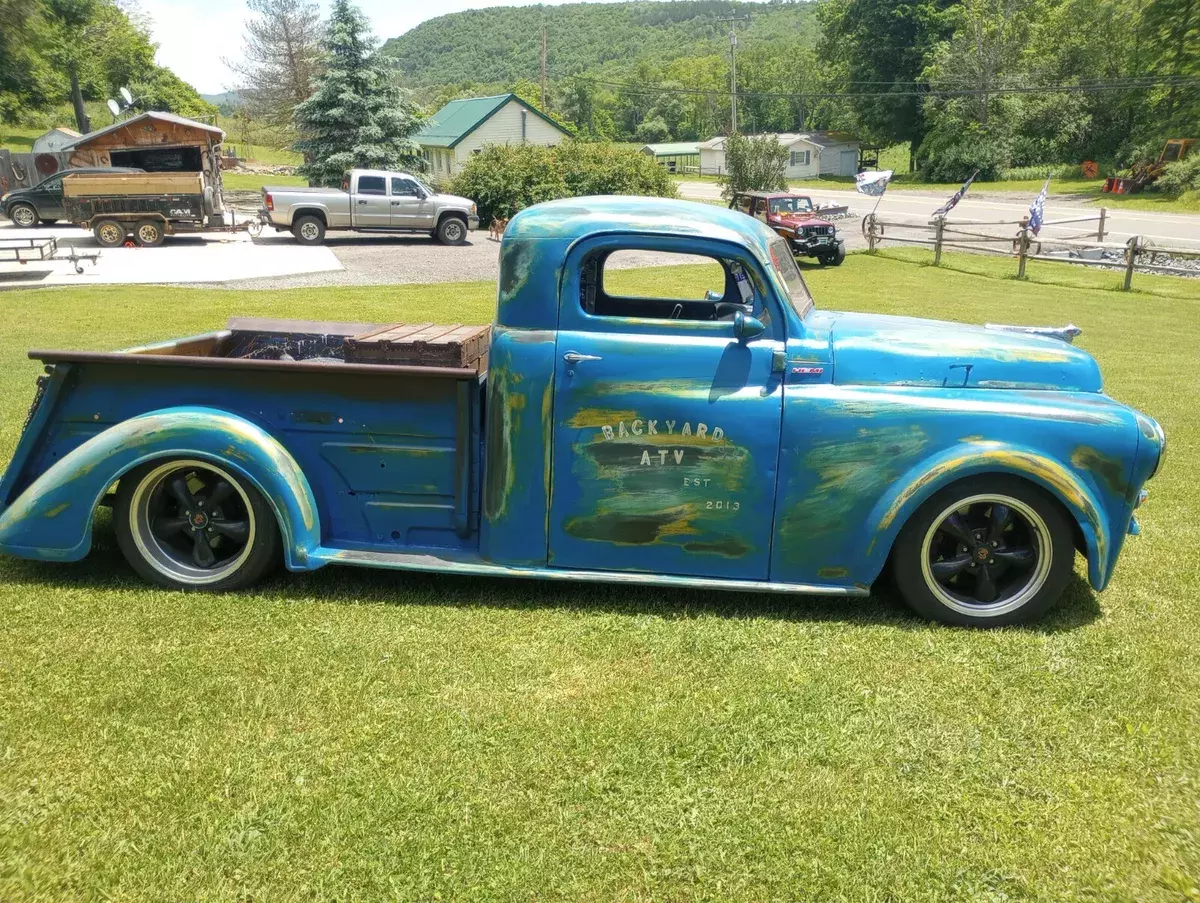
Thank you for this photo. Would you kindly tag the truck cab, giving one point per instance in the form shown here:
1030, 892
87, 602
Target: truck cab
737, 437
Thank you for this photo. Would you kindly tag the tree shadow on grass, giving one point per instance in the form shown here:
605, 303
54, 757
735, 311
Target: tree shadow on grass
105, 569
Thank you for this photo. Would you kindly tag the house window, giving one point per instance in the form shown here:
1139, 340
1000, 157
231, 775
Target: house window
801, 158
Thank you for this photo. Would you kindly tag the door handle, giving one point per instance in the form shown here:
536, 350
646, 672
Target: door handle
574, 357
362, 202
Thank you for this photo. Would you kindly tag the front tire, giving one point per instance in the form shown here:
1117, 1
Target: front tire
309, 230
190, 524
23, 215
985, 552
109, 233
452, 231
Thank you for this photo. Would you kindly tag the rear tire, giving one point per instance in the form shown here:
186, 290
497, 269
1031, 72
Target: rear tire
148, 233
452, 230
110, 233
23, 215
985, 552
190, 524
309, 230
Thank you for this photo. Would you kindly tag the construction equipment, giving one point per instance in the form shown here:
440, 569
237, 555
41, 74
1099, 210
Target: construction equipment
1144, 172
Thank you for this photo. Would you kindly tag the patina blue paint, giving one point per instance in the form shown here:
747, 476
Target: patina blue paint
669, 449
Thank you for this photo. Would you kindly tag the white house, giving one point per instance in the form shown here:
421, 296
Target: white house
462, 128
810, 155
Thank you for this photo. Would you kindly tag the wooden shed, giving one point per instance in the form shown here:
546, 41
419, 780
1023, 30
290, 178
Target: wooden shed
156, 142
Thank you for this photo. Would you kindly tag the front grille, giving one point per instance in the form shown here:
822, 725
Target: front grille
810, 231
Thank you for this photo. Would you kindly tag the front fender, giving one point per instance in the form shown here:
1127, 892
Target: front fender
968, 459
52, 518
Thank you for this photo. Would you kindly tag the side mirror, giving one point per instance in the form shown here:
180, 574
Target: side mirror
747, 328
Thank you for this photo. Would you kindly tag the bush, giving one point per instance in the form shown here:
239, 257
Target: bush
951, 153
1180, 176
1060, 172
753, 164
503, 179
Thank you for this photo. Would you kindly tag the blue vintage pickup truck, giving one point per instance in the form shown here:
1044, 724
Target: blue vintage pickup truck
742, 440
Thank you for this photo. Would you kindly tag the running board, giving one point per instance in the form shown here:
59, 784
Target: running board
473, 567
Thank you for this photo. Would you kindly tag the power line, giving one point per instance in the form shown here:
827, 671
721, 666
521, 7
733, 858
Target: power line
926, 91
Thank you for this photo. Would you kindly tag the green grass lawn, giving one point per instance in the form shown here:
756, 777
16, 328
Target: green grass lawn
366, 736
18, 140
250, 181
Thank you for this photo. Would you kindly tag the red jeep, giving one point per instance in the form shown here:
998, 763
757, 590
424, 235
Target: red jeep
791, 215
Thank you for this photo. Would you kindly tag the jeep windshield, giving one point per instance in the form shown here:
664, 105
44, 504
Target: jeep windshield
785, 206
788, 274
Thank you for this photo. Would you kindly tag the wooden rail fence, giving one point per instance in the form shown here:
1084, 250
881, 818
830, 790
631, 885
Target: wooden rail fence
1026, 246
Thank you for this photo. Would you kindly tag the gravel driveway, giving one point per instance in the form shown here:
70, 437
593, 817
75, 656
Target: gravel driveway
398, 259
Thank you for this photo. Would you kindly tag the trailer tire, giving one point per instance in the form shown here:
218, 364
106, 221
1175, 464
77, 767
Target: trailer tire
192, 524
148, 233
452, 230
110, 233
309, 230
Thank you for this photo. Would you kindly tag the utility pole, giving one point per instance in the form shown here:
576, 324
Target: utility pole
544, 110
733, 68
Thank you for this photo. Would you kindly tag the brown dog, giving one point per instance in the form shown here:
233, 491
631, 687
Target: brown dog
496, 229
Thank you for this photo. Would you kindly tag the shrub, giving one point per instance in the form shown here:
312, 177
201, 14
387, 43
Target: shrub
503, 179
1180, 176
951, 153
1060, 172
753, 164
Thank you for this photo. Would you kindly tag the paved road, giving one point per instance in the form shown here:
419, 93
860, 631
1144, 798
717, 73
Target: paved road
1122, 223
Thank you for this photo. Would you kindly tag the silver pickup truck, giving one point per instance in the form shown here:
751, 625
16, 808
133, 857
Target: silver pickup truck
370, 200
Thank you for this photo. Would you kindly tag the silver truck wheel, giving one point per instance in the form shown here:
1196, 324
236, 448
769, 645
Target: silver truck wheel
309, 230
452, 231
23, 215
192, 524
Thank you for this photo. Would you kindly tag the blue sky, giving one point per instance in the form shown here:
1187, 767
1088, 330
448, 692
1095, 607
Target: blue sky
195, 35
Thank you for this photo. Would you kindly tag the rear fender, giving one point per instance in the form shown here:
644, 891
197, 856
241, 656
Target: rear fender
52, 518
922, 481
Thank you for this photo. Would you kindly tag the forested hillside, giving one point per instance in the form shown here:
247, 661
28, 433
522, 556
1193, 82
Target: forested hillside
61, 53
504, 43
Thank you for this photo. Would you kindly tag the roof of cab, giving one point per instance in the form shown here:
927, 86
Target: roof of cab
573, 218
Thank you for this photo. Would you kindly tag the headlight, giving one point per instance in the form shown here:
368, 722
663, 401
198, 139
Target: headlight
474, 210
1162, 450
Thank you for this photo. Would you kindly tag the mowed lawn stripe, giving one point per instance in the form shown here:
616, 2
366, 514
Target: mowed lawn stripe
359, 735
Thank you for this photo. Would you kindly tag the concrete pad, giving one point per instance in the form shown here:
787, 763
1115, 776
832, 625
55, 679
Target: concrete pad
193, 258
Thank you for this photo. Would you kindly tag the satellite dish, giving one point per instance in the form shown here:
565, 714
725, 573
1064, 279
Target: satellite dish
125, 94
114, 108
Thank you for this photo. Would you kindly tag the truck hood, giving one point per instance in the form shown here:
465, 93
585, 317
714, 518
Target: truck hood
875, 349
452, 200
800, 221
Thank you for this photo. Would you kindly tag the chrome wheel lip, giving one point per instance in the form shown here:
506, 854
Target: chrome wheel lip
1038, 575
151, 548
24, 216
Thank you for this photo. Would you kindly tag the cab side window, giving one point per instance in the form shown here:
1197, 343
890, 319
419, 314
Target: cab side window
404, 188
760, 207
372, 185
619, 284
743, 203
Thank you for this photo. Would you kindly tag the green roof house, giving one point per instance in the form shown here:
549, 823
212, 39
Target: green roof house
462, 127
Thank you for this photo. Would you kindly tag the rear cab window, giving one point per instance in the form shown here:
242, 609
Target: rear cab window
372, 185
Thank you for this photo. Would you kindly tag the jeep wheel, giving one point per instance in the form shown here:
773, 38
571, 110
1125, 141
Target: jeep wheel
189, 524
149, 234
110, 233
452, 231
309, 230
23, 215
985, 552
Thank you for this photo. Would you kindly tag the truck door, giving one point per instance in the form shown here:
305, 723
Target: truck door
410, 208
370, 203
665, 422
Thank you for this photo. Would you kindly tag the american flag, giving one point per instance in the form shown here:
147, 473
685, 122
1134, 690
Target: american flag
958, 196
872, 183
1037, 210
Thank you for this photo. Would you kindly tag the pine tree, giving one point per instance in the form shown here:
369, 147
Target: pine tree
357, 118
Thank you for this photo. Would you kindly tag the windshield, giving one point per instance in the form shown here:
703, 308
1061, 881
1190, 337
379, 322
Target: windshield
786, 271
784, 206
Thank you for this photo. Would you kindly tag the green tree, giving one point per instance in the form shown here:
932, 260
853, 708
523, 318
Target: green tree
753, 164
357, 118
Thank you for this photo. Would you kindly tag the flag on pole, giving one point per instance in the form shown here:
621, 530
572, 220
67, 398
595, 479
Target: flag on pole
872, 183
958, 196
1037, 210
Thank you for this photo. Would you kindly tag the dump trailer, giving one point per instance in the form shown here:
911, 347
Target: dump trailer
143, 207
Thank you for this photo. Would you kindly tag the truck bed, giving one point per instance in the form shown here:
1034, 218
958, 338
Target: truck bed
392, 452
